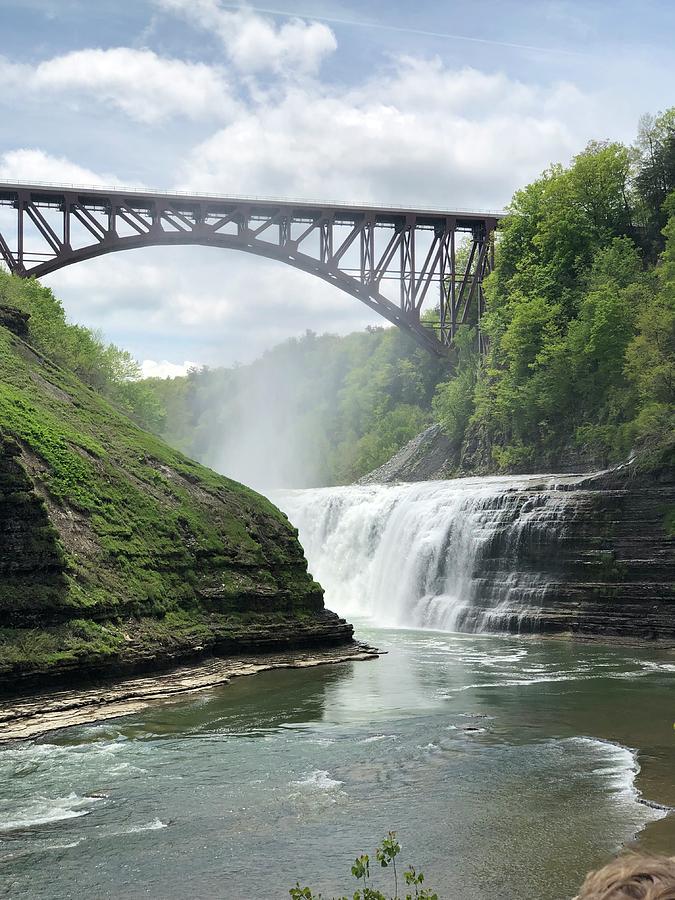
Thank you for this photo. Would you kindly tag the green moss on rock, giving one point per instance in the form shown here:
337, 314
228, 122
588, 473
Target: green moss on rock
117, 551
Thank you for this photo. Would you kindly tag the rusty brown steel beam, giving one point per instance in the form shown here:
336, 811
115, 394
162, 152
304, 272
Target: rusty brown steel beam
264, 227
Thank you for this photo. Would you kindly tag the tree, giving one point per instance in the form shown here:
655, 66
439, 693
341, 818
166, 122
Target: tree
650, 356
655, 176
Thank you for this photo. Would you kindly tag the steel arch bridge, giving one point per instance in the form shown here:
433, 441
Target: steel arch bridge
387, 258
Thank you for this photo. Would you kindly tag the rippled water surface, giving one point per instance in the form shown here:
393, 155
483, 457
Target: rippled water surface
502, 763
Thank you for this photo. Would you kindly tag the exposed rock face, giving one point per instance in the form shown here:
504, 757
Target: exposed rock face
432, 455
117, 553
617, 558
14, 320
423, 458
594, 556
32, 563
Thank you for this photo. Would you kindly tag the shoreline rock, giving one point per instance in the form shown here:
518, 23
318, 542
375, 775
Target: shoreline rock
51, 710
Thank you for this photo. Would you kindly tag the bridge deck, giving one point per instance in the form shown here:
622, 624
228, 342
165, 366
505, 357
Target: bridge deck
301, 210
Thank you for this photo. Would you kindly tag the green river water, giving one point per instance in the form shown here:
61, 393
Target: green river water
508, 767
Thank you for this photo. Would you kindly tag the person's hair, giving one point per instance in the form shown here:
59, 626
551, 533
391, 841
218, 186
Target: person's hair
632, 877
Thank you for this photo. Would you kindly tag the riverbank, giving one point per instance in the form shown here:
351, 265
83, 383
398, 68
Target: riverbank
45, 711
117, 553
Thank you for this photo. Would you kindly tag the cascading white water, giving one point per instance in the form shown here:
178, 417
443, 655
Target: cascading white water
446, 555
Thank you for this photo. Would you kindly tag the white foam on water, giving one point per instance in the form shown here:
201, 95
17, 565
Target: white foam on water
43, 811
126, 768
155, 825
518, 682
658, 666
318, 780
618, 770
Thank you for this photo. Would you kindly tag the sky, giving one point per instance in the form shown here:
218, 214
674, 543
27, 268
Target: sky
444, 104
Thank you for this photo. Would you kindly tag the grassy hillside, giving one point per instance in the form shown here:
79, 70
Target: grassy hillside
117, 551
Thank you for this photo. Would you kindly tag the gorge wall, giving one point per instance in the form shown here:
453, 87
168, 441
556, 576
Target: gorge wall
117, 553
611, 568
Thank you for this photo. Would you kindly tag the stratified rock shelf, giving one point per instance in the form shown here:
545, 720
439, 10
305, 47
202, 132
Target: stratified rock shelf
591, 555
610, 569
119, 554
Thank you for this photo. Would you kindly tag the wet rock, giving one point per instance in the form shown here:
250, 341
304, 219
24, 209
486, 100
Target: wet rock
596, 559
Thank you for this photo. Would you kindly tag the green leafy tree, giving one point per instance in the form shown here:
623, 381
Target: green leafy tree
453, 402
655, 176
650, 356
576, 313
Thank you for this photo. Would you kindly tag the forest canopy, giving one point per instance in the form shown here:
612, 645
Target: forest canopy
581, 311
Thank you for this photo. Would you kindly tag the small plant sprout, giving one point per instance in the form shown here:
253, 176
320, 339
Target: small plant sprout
361, 868
303, 893
385, 855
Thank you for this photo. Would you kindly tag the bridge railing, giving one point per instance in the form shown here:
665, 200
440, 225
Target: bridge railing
249, 198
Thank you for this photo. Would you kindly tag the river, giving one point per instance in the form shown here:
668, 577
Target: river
507, 765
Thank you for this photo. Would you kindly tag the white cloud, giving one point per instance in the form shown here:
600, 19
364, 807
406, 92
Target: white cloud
13, 76
143, 85
165, 369
255, 43
31, 164
422, 133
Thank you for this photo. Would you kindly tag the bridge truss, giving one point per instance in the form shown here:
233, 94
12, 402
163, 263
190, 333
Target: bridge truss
393, 260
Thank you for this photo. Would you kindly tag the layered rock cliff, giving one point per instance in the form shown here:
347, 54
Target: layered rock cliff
117, 553
592, 555
596, 557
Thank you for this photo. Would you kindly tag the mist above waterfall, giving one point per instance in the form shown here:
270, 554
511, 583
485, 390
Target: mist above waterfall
316, 410
443, 554
266, 438
263, 423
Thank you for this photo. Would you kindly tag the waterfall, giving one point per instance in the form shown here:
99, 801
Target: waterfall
456, 555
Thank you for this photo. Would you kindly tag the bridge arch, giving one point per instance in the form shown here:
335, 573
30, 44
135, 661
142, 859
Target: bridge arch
359, 250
